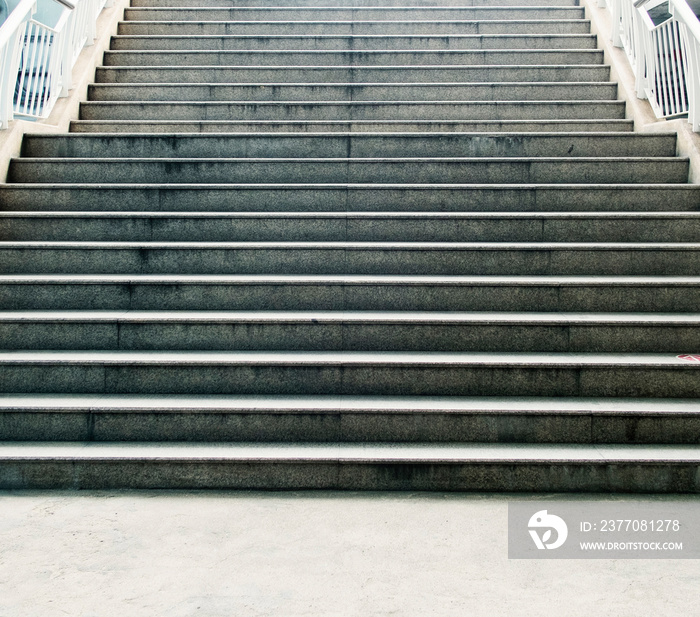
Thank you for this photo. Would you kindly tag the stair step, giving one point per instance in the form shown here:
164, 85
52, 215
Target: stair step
352, 74
667, 294
354, 373
391, 13
351, 244
195, 26
388, 126
368, 258
350, 197
131, 226
474, 467
581, 91
345, 42
354, 57
352, 111
349, 3
356, 170
355, 145
351, 331
348, 419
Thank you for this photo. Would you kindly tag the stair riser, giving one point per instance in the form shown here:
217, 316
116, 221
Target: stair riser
335, 27
350, 379
345, 58
341, 92
287, 14
678, 198
349, 337
510, 476
339, 229
506, 126
662, 297
348, 427
341, 146
310, 42
353, 111
371, 261
345, 74
487, 171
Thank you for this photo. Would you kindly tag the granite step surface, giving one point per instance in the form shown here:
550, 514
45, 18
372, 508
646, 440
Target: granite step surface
340, 126
352, 111
351, 244
375, 57
349, 3
351, 330
353, 373
374, 13
580, 91
352, 74
546, 227
176, 292
398, 25
347, 419
314, 198
458, 467
188, 42
439, 170
350, 145
361, 258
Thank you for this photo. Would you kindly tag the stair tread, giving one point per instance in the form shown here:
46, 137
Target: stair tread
359, 159
353, 245
537, 135
374, 67
352, 279
345, 358
411, 216
472, 317
352, 103
350, 36
347, 452
461, 52
159, 403
692, 188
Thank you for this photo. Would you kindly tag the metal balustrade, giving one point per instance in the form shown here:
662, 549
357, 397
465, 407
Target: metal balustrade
661, 39
39, 44
689, 28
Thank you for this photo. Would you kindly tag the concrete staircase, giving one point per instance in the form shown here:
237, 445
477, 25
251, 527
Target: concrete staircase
352, 244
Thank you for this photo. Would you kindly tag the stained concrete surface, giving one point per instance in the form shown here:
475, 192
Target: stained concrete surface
323, 553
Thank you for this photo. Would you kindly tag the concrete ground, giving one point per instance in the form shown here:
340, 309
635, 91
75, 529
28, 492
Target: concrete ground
237, 554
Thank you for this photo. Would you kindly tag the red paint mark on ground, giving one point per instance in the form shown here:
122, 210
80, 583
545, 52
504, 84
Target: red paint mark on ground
691, 357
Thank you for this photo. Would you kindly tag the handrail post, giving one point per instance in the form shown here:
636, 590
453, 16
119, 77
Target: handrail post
66, 56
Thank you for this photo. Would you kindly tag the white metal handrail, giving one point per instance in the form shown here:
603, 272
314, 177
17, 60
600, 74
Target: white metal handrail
39, 73
664, 52
665, 78
37, 58
11, 32
689, 28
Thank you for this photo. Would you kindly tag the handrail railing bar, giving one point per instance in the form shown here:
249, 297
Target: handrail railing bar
15, 20
44, 79
680, 69
29, 60
662, 75
22, 75
680, 9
